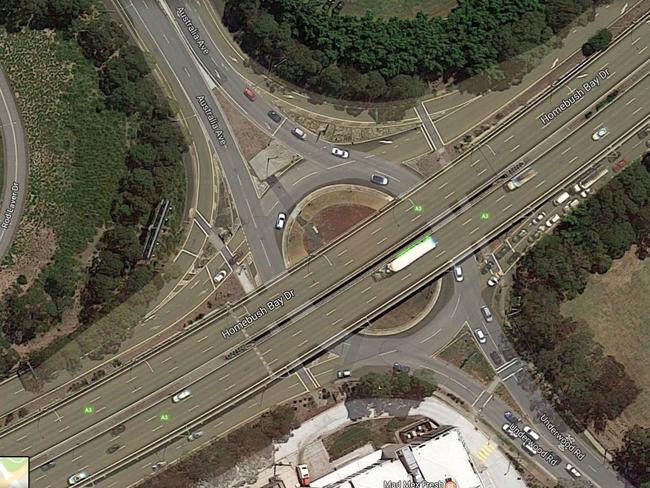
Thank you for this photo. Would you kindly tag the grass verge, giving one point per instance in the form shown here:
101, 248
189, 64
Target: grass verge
463, 353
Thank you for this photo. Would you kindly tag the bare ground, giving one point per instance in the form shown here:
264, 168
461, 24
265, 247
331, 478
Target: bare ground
334, 221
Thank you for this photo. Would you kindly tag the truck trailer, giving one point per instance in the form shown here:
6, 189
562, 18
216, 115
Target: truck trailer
406, 257
520, 179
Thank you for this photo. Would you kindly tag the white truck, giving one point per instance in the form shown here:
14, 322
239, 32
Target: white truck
520, 179
407, 256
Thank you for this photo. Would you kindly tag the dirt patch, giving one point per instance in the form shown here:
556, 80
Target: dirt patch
427, 164
333, 221
616, 307
250, 139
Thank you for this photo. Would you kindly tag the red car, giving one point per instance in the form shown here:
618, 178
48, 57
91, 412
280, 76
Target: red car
619, 166
250, 94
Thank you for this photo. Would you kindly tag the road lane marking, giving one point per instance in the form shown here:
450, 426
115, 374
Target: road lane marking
64, 428
306, 176
303, 342
192, 408
373, 298
150, 419
442, 186
173, 369
365, 290
474, 163
565, 151
573, 160
507, 207
349, 262
515, 148
336, 321
431, 336
138, 388
330, 312
224, 377
450, 195
26, 449
375, 231
165, 360
474, 230
416, 217
308, 275
501, 197
132, 379
633, 98
19, 391
157, 428
466, 222
383, 240
203, 338
278, 127
342, 253
296, 333
206, 350
313, 284
387, 353
540, 183
406, 277
637, 110
508, 139
440, 254
230, 387
481, 172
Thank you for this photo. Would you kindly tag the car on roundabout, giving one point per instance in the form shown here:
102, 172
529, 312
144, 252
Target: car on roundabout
274, 116
340, 153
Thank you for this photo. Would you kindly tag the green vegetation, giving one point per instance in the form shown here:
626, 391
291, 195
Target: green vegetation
463, 353
404, 9
370, 59
104, 149
377, 432
590, 387
225, 453
598, 42
633, 458
392, 393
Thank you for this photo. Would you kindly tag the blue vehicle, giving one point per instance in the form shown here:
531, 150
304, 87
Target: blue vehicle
510, 417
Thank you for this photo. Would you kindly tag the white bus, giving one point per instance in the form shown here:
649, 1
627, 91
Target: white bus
593, 178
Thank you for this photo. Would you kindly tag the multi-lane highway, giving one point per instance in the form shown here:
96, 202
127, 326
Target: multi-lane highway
15, 168
458, 225
345, 307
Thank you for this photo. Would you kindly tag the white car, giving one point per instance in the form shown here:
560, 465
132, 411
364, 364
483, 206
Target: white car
458, 273
345, 373
194, 435
531, 433
487, 315
280, 221
539, 218
578, 190
340, 153
572, 470
379, 180
600, 133
553, 220
179, 397
480, 336
76, 478
303, 475
220, 276
299, 133
507, 428
492, 281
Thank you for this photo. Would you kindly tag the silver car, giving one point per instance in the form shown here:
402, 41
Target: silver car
379, 180
77, 478
180, 396
487, 315
341, 153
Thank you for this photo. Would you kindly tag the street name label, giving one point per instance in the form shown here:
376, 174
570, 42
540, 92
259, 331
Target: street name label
9, 211
212, 120
274, 304
566, 442
575, 97
191, 28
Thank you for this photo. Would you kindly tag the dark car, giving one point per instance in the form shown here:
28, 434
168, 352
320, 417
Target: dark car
510, 417
113, 449
274, 116
401, 368
496, 358
118, 429
48, 466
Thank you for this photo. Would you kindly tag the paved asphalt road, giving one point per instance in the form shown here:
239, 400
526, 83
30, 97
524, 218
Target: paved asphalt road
316, 328
15, 166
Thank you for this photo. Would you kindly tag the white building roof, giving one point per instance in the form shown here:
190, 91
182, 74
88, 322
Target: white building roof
438, 459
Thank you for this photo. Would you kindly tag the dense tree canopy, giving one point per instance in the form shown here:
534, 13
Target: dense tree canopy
633, 458
321, 50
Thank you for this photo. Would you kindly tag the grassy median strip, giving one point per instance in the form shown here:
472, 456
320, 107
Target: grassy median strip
463, 353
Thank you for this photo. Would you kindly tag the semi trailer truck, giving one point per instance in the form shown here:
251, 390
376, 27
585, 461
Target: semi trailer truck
406, 257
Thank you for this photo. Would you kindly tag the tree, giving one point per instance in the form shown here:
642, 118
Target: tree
633, 458
331, 80
598, 42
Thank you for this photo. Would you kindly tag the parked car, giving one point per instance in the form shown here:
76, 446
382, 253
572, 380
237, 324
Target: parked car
458, 273
553, 220
578, 190
572, 470
77, 478
496, 358
195, 435
531, 433
281, 220
510, 417
519, 235
493, 281
250, 94
220, 276
600, 133
299, 133
182, 395
529, 448
158, 465
274, 116
341, 153
619, 166
480, 336
401, 368
379, 180
539, 218
485, 310
303, 475
344, 373
507, 428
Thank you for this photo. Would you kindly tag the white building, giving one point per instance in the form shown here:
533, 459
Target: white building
442, 461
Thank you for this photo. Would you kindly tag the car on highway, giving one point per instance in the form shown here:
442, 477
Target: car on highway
220, 276
250, 94
280, 221
401, 368
299, 133
77, 478
118, 429
507, 428
487, 315
619, 166
571, 469
158, 465
531, 433
496, 358
344, 373
600, 133
458, 273
303, 475
182, 395
48, 466
480, 336
274, 116
195, 435
492, 281
379, 180
553, 220
113, 449
540, 216
341, 153
510, 417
